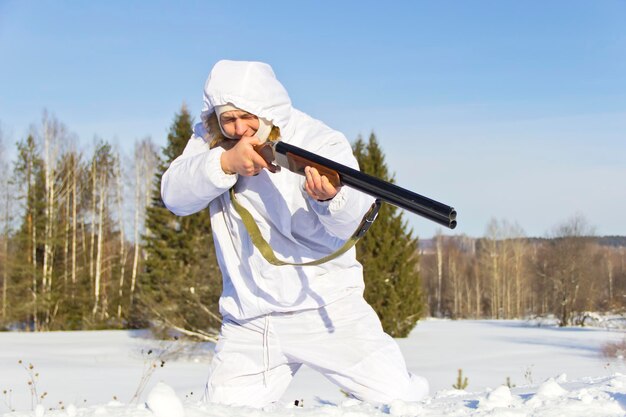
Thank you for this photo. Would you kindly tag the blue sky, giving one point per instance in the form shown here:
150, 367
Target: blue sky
503, 109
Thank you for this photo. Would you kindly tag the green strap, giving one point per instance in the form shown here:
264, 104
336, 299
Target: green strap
269, 255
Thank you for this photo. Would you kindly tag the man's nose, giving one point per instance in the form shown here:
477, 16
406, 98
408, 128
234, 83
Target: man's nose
240, 127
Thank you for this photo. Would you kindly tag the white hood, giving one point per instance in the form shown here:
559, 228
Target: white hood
250, 86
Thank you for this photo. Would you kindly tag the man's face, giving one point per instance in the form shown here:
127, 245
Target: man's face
239, 123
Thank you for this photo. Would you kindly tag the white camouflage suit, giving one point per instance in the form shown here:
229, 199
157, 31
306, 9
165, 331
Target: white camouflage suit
276, 318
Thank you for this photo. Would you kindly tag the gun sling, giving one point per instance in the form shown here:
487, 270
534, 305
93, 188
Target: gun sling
268, 253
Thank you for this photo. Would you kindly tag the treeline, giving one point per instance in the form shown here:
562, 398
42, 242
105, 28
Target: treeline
66, 258
86, 242
507, 275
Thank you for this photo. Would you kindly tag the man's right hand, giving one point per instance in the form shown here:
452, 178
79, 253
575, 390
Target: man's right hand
242, 159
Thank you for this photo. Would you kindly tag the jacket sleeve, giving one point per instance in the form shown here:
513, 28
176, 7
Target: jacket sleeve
195, 178
343, 213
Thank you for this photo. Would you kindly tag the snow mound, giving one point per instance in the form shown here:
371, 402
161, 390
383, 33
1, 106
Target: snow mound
164, 402
499, 398
550, 389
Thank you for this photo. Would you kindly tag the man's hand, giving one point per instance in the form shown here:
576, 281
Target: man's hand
242, 159
317, 186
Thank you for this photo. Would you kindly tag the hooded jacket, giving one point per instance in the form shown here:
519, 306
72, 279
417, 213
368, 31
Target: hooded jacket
298, 228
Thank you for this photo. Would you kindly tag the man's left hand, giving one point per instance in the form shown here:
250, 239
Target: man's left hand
317, 186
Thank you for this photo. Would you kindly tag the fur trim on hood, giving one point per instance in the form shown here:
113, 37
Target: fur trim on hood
217, 138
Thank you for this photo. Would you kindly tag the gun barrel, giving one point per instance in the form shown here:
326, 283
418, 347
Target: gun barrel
391, 193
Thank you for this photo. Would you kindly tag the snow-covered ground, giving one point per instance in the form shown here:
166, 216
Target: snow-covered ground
551, 372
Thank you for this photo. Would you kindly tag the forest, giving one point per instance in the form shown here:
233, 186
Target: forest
86, 243
571, 274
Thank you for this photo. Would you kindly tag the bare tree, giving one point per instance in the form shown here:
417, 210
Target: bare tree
570, 250
122, 236
500, 263
519, 253
74, 172
146, 162
6, 217
511, 259
104, 160
460, 252
94, 199
52, 130
491, 265
55, 137
439, 252
67, 222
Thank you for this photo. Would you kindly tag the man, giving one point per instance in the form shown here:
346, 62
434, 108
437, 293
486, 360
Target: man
276, 318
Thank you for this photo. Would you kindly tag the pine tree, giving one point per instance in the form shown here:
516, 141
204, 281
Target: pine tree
388, 253
181, 284
29, 176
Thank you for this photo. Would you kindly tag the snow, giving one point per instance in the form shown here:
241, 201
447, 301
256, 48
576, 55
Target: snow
164, 402
514, 368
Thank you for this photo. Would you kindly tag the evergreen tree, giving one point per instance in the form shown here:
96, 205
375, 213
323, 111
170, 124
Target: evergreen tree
181, 284
388, 253
28, 258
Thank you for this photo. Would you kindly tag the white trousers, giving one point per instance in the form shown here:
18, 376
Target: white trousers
255, 360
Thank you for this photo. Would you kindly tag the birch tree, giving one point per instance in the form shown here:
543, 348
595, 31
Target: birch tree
117, 163
439, 252
5, 215
459, 253
104, 160
69, 190
519, 253
54, 137
491, 266
145, 162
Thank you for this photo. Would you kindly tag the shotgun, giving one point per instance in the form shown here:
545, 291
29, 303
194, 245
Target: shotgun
280, 154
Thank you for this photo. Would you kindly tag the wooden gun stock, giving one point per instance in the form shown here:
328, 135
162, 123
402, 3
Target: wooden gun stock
298, 163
